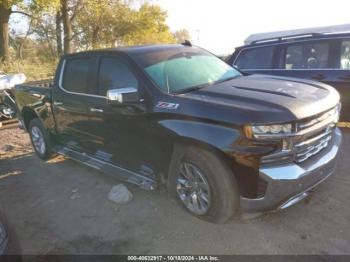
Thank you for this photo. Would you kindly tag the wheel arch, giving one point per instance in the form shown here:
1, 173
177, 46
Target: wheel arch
28, 115
219, 140
207, 136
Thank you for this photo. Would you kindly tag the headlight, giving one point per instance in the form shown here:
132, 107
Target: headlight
257, 131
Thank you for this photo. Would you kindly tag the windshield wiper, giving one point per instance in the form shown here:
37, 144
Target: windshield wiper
193, 88
189, 89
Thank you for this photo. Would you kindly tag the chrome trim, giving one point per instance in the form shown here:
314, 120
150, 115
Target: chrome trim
312, 150
332, 114
122, 173
284, 182
56, 103
314, 139
117, 94
316, 126
96, 110
294, 200
69, 92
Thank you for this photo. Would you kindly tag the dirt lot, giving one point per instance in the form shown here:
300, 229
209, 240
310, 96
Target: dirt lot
61, 207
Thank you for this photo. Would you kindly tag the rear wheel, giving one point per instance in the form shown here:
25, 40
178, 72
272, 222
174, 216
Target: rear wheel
7, 111
203, 184
40, 139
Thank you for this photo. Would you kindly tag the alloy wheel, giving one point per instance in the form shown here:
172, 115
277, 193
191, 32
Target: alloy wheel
38, 140
193, 189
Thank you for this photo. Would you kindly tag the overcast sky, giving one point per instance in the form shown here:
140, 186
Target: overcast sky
224, 24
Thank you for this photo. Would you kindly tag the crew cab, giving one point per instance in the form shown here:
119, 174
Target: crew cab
178, 116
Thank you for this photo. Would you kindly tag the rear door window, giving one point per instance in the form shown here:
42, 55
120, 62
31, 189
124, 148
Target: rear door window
255, 58
115, 73
307, 56
77, 75
345, 55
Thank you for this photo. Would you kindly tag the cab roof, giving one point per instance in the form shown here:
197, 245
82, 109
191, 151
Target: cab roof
134, 50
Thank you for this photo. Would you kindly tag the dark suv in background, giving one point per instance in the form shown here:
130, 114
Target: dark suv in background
321, 54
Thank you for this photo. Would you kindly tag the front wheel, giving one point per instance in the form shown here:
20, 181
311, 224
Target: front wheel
203, 184
40, 139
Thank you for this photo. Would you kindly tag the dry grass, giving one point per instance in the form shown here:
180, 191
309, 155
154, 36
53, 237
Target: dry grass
34, 69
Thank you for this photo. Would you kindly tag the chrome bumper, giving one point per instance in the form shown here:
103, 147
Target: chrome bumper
288, 184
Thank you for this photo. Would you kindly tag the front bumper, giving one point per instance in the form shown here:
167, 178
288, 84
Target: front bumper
288, 184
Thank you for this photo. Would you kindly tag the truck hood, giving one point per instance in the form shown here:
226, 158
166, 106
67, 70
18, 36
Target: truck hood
268, 98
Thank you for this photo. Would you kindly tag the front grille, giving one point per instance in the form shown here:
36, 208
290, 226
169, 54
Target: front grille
310, 137
329, 117
312, 145
315, 143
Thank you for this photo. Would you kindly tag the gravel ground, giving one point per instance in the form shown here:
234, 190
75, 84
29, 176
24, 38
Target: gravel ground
61, 207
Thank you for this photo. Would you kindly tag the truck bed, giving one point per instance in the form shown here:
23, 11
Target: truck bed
35, 95
40, 83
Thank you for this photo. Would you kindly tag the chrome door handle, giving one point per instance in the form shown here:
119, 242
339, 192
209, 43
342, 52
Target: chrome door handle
97, 110
57, 103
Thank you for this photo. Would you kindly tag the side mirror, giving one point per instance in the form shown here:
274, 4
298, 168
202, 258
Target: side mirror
126, 95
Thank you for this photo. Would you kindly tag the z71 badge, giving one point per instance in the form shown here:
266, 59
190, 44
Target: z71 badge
166, 105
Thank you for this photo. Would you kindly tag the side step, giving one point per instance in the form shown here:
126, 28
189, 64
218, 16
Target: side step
108, 168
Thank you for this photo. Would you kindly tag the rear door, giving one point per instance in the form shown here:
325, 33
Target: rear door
72, 100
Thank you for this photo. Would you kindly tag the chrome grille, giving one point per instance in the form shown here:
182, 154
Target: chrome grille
310, 137
329, 117
313, 145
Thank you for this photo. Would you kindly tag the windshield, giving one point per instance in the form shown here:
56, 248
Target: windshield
182, 71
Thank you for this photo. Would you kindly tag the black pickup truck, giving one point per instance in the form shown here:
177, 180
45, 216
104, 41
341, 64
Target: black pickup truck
178, 116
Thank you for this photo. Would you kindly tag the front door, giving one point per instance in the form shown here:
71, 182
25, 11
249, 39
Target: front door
122, 131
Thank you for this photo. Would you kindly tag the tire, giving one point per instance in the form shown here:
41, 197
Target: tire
6, 108
36, 127
223, 196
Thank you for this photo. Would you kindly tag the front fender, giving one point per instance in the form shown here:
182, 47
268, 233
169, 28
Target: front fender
228, 140
217, 136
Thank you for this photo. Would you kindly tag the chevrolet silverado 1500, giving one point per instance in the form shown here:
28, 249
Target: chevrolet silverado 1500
177, 115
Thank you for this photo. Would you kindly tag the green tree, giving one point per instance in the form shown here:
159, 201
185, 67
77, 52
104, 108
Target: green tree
9, 7
151, 27
111, 23
182, 35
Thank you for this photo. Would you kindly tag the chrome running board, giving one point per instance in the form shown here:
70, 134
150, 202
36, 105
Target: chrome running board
105, 167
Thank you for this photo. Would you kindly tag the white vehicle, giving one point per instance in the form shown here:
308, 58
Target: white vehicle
7, 103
